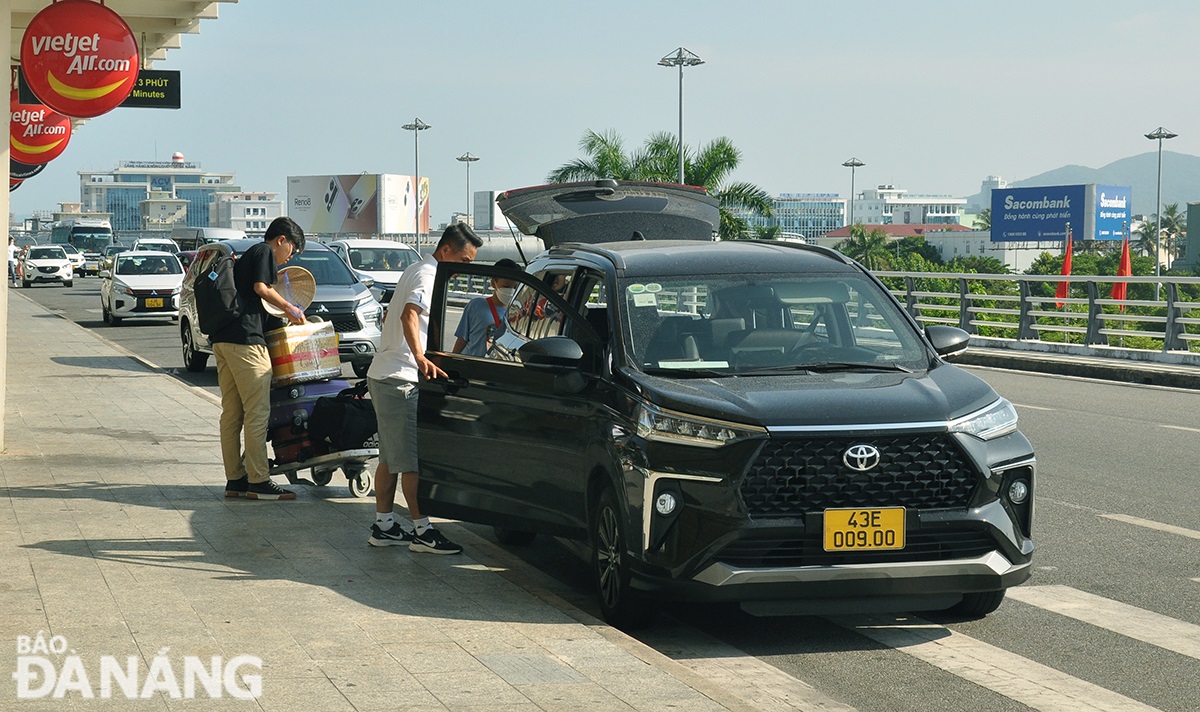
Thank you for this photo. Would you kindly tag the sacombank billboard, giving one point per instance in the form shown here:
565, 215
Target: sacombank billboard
1112, 211
1037, 214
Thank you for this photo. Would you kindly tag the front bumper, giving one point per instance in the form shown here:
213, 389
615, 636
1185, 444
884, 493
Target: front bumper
127, 306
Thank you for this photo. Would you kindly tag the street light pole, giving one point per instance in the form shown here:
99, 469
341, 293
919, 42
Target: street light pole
417, 126
1158, 134
682, 58
468, 159
852, 163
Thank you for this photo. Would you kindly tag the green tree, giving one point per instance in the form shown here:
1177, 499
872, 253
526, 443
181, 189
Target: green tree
1174, 225
916, 245
1145, 242
768, 232
658, 160
977, 264
983, 221
869, 248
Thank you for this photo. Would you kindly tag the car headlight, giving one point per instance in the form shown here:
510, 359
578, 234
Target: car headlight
657, 424
999, 418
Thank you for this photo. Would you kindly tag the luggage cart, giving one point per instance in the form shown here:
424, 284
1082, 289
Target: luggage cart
353, 463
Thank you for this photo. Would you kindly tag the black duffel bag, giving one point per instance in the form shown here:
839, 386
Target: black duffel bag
345, 421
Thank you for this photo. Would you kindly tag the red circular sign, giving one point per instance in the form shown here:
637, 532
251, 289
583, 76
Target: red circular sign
80, 58
36, 134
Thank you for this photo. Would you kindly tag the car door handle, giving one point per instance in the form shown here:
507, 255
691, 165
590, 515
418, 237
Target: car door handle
456, 382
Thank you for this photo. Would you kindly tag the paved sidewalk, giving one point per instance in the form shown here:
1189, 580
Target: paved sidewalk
120, 551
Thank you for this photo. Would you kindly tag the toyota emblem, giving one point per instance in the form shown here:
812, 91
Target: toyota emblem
861, 458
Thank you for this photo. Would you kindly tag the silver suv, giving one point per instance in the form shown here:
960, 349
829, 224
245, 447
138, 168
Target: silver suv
341, 298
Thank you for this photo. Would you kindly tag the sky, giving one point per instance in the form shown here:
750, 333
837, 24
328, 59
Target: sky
932, 95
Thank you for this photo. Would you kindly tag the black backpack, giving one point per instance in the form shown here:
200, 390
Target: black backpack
345, 421
217, 302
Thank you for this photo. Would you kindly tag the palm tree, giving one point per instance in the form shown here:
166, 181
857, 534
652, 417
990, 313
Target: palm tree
1145, 243
1174, 224
658, 160
983, 221
768, 232
871, 249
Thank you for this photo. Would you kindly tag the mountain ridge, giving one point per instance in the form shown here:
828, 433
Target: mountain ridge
1180, 178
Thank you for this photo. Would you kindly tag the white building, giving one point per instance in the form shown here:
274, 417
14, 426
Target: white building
889, 205
120, 191
249, 212
1018, 256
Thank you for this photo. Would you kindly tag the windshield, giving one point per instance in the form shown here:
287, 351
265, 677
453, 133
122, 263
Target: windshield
326, 267
47, 253
164, 246
381, 259
91, 239
70, 249
147, 264
735, 324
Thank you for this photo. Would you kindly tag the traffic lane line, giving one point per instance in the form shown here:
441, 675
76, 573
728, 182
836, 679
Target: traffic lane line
1180, 427
1008, 674
1128, 519
1132, 622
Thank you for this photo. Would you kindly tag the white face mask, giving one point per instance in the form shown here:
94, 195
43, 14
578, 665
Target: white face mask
504, 295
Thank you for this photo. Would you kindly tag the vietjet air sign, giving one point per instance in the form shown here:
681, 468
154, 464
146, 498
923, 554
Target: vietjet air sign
80, 58
36, 134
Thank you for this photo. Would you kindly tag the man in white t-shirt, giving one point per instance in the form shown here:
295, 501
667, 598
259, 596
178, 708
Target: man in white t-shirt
392, 382
14, 257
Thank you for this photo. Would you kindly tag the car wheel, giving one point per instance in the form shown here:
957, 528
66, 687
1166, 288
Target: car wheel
113, 319
104, 313
25, 283
513, 537
621, 606
68, 283
193, 360
360, 368
978, 605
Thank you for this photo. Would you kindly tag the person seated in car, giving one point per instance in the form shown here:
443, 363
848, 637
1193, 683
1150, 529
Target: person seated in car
484, 318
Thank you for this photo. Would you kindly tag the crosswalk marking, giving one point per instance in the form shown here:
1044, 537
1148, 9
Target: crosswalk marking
1146, 626
1015, 677
1151, 524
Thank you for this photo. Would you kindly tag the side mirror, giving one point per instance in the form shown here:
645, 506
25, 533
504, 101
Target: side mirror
552, 351
368, 282
947, 340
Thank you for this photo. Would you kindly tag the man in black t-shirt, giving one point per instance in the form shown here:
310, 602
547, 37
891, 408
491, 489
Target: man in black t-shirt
244, 366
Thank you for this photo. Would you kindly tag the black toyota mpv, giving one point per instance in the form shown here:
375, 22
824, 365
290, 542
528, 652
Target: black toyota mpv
747, 421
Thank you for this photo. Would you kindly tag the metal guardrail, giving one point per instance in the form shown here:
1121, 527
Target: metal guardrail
1024, 308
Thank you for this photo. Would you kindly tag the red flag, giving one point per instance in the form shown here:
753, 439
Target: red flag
1125, 269
1066, 271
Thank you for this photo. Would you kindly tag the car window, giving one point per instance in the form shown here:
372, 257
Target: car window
381, 259
47, 253
531, 315
135, 264
326, 267
742, 323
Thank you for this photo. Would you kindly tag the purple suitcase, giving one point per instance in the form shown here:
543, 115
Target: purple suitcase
292, 405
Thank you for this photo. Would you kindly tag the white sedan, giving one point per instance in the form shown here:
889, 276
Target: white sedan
141, 285
47, 263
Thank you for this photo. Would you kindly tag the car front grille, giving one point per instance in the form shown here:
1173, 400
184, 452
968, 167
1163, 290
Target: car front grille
47, 270
344, 320
807, 550
794, 476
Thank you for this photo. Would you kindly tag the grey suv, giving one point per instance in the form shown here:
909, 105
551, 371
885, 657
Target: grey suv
340, 298
758, 422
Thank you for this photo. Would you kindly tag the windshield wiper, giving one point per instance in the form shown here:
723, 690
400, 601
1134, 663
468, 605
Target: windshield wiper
827, 367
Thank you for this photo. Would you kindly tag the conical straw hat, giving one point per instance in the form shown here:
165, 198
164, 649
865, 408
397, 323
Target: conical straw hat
296, 285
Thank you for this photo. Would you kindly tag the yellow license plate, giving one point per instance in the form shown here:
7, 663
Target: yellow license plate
155, 303
864, 529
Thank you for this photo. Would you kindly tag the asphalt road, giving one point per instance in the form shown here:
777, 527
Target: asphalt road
1110, 620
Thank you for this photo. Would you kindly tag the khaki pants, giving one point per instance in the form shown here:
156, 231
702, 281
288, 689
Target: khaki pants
244, 374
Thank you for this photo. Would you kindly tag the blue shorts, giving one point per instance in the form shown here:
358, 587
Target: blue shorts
395, 402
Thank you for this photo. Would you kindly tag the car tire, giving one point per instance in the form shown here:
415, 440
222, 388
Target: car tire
69, 283
193, 360
113, 319
25, 283
513, 537
979, 604
104, 313
621, 605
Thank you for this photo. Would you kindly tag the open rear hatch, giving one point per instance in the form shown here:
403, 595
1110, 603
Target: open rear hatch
612, 211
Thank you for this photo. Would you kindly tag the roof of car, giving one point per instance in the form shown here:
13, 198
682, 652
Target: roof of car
241, 245
682, 257
385, 244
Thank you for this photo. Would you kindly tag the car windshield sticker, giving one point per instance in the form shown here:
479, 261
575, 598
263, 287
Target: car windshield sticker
637, 288
654, 287
645, 300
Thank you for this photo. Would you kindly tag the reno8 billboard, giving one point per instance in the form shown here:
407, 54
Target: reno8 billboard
1037, 214
365, 204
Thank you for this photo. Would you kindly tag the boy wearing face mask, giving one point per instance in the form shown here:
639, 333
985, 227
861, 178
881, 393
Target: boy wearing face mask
483, 318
